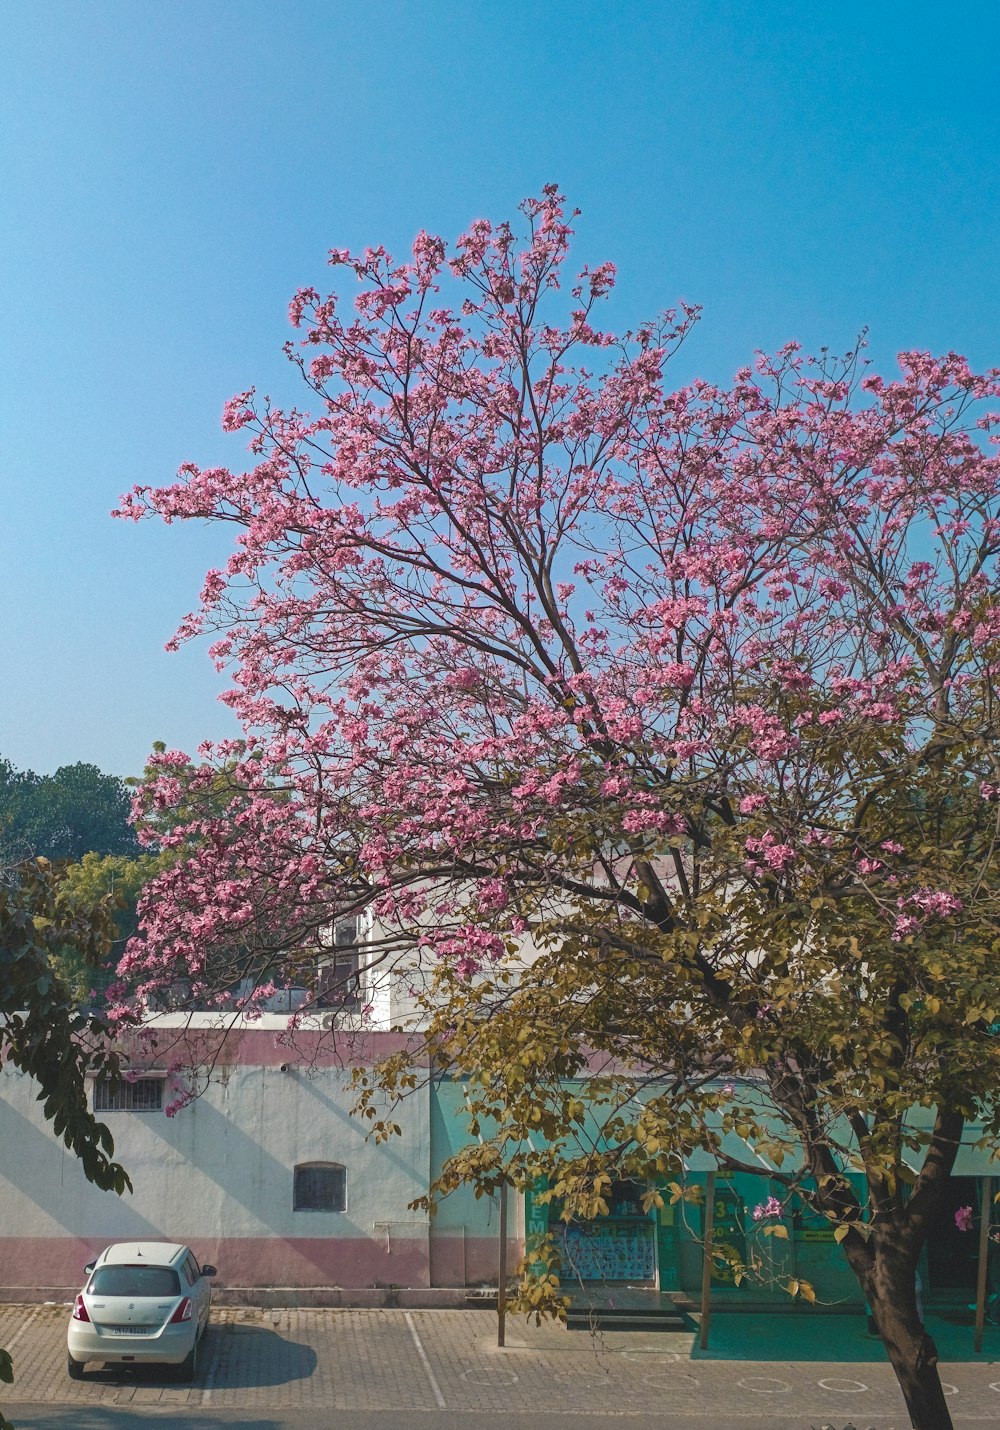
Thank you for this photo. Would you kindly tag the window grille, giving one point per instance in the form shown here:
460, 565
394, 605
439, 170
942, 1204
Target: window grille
320, 1187
145, 1094
339, 983
345, 933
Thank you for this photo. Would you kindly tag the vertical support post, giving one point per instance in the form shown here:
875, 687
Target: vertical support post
502, 1266
654, 1217
706, 1261
985, 1215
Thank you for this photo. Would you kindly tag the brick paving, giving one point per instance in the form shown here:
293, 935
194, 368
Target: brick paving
422, 1360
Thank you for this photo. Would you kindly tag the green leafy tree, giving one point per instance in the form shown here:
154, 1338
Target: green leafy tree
835, 1023
42, 1029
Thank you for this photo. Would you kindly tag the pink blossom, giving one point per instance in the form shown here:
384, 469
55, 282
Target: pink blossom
938, 902
763, 1211
964, 1219
651, 821
751, 802
677, 674
767, 851
238, 411
504, 610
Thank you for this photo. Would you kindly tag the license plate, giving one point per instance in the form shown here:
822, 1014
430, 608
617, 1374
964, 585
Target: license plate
131, 1330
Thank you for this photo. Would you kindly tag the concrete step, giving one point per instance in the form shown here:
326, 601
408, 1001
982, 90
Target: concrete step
626, 1318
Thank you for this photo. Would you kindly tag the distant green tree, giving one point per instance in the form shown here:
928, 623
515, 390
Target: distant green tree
118, 881
80, 818
50, 813
77, 810
15, 793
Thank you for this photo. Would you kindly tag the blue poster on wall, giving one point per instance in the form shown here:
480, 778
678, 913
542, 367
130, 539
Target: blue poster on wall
609, 1251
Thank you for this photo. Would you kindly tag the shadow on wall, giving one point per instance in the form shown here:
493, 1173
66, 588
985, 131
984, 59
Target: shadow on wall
239, 1165
406, 1161
36, 1164
246, 1172
242, 1217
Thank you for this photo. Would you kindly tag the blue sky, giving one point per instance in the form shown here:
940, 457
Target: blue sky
171, 173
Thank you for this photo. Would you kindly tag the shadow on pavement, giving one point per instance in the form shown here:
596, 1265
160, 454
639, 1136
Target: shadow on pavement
107, 1417
230, 1358
240, 1357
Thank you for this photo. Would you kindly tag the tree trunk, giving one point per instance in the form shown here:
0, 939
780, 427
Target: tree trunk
914, 1358
889, 1281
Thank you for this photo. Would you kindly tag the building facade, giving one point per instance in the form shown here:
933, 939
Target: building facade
269, 1174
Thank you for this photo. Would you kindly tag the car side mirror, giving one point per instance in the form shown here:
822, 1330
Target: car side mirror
209, 1271
89, 1267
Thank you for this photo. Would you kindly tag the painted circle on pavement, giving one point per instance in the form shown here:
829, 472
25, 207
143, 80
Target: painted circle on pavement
764, 1384
653, 1357
949, 1389
491, 1377
846, 1387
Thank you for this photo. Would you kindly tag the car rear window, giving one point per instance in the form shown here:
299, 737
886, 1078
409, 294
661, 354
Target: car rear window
134, 1281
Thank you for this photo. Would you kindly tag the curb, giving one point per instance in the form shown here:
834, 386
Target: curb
403, 1298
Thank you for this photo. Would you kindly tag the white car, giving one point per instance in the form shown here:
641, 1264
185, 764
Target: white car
145, 1303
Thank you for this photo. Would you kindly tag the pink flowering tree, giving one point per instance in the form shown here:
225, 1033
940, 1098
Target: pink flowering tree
690, 692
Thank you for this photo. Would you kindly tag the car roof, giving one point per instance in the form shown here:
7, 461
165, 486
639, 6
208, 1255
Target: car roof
132, 1253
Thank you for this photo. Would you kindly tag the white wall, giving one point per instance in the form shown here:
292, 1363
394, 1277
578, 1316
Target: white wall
219, 1175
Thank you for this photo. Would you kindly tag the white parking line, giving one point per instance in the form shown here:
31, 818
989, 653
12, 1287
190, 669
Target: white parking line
14, 1339
215, 1345
442, 1404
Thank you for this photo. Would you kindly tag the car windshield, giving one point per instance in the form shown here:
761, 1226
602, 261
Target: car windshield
134, 1281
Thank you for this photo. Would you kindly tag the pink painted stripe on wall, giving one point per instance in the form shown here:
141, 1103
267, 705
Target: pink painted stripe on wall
248, 1046
392, 1260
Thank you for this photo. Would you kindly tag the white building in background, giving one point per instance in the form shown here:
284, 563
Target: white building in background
265, 1173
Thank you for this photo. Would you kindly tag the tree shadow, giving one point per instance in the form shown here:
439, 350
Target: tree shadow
107, 1417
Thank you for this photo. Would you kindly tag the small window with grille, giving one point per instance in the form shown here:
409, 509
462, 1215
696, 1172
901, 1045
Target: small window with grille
144, 1094
320, 1187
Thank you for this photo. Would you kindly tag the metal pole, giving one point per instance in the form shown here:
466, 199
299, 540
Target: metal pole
502, 1265
984, 1256
706, 1262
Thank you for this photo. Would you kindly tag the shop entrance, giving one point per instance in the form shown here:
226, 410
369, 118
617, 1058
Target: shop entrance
619, 1247
953, 1254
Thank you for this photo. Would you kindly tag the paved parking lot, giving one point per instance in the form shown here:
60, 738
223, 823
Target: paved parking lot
420, 1361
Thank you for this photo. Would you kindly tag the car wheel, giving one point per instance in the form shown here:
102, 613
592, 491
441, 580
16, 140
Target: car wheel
74, 1368
188, 1368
